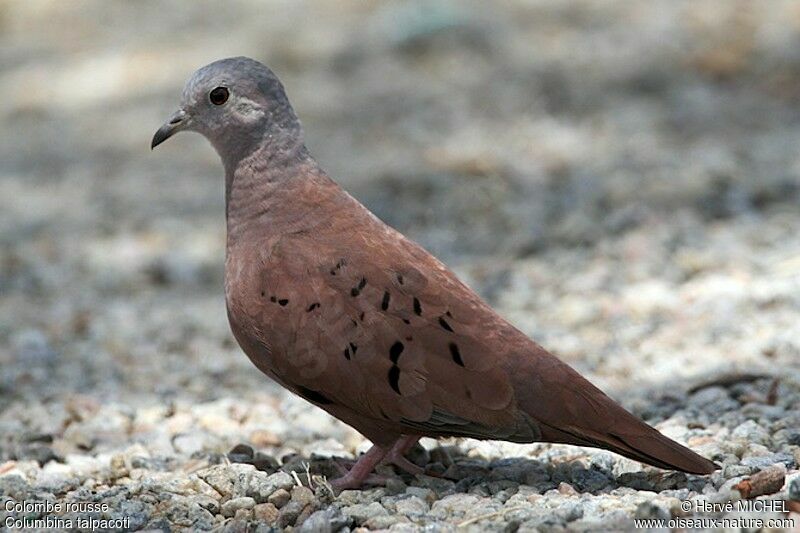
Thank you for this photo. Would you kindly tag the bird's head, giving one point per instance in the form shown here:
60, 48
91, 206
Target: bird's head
236, 103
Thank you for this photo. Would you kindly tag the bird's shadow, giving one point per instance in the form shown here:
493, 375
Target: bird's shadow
449, 470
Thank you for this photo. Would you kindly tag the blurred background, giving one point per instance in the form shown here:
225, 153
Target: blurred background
619, 179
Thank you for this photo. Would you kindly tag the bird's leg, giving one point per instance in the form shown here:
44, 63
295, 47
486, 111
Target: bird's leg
407, 442
360, 471
396, 455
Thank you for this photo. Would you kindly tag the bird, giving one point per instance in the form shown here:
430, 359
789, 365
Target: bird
346, 312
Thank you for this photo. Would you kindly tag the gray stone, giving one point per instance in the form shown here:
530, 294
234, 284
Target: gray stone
307, 511
794, 489
56, 482
353, 497
589, 480
136, 511
737, 470
395, 485
189, 514
230, 507
243, 515
14, 486
670, 481
228, 480
193, 442
349, 497
439, 485
289, 514
41, 453
361, 512
325, 521
265, 463
454, 505
241, 453
751, 432
303, 495
384, 521
262, 486
651, 510
759, 462
423, 493
207, 502
635, 480
412, 506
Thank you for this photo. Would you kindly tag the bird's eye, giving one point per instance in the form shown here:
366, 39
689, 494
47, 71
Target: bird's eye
219, 95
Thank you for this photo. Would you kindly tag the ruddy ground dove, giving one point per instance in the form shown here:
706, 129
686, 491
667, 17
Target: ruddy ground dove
346, 312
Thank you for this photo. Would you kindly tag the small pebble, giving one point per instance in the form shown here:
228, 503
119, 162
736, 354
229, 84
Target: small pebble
231, 507
265, 512
279, 498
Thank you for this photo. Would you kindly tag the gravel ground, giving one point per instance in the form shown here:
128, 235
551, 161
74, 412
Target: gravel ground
621, 180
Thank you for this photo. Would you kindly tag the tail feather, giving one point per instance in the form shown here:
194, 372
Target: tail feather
656, 450
571, 410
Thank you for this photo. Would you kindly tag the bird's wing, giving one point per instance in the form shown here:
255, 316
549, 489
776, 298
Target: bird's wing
375, 323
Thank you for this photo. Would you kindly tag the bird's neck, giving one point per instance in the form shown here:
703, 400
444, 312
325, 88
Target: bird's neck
274, 190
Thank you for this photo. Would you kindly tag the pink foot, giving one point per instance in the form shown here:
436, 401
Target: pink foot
361, 472
396, 455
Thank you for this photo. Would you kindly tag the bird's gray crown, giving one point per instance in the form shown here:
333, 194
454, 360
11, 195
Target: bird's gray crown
242, 76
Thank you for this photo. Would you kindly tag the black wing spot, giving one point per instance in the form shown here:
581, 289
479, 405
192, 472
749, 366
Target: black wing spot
312, 307
347, 353
262, 294
444, 324
361, 316
314, 396
394, 371
273, 299
406, 321
448, 314
400, 279
395, 351
385, 301
468, 393
355, 291
354, 348
355, 324
282, 302
417, 307
456, 354
394, 378
337, 267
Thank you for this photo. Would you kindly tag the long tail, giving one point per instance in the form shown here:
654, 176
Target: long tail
571, 410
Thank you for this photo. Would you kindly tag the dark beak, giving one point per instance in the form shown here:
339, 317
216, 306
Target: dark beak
175, 124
